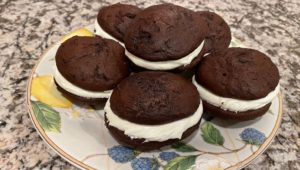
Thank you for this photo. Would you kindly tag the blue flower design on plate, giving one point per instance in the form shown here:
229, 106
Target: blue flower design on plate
122, 154
166, 156
253, 136
144, 163
172, 160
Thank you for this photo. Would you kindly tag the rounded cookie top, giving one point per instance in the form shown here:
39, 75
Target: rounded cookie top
219, 34
92, 63
165, 32
154, 98
238, 73
116, 18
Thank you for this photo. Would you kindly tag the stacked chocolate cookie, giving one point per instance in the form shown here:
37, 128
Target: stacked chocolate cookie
155, 105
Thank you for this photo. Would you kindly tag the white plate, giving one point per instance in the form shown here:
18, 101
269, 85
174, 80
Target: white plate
79, 135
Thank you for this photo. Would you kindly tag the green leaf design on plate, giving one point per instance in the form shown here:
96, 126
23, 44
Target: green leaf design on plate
181, 163
183, 147
211, 134
47, 117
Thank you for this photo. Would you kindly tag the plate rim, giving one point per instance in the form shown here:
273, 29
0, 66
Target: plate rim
79, 164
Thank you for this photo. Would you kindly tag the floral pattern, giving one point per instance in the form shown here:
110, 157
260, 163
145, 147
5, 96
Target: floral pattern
171, 160
122, 154
253, 136
167, 156
144, 163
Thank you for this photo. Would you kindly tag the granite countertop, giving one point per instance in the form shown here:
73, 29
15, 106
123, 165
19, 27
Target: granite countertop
28, 28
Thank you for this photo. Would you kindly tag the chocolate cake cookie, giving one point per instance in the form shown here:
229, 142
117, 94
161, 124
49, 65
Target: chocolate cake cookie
89, 67
237, 83
165, 37
115, 19
166, 105
219, 35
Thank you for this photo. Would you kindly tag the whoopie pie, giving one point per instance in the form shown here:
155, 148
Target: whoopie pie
152, 109
165, 37
88, 68
237, 83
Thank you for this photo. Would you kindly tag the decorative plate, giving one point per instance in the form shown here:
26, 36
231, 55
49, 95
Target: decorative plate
78, 134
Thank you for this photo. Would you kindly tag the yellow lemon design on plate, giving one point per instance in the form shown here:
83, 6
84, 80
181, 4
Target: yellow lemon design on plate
44, 89
78, 32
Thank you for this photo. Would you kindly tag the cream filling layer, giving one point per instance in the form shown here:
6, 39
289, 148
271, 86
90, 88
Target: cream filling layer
99, 31
235, 105
172, 130
165, 65
78, 91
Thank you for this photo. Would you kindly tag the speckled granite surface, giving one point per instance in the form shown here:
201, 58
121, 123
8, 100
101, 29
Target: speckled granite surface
28, 28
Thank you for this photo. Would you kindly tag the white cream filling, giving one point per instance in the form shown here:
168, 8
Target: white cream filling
78, 91
235, 105
165, 65
172, 130
104, 34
